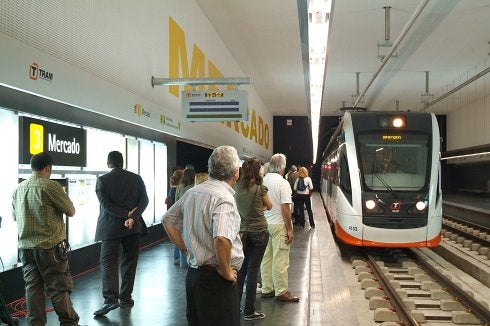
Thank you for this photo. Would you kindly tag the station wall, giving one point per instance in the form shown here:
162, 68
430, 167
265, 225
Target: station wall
467, 110
100, 57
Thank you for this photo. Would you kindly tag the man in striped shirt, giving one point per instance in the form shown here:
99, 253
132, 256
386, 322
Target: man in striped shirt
205, 223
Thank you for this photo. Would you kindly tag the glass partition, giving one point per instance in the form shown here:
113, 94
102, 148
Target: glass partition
160, 180
147, 172
149, 159
9, 131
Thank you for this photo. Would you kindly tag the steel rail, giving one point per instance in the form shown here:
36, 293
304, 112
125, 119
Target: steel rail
404, 313
474, 306
469, 236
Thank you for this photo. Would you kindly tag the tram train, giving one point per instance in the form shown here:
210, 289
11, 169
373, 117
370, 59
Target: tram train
381, 180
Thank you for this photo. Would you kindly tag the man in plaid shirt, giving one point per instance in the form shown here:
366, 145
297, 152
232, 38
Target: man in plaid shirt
38, 207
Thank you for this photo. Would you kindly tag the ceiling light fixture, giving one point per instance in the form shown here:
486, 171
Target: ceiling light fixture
318, 27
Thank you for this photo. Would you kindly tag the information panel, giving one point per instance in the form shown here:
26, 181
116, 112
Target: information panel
66, 145
215, 105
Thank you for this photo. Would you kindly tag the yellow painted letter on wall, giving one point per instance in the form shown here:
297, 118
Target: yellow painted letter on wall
177, 58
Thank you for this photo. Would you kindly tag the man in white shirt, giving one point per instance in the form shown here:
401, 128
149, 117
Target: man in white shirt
275, 264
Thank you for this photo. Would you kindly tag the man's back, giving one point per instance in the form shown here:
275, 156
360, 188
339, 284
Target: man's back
292, 176
118, 191
279, 193
123, 187
38, 205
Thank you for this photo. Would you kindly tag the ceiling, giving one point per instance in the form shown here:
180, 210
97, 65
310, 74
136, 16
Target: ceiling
450, 39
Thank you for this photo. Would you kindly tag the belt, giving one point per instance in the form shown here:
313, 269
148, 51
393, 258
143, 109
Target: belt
208, 267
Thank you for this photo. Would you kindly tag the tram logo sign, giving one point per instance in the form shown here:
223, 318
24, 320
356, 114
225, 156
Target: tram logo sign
35, 73
395, 206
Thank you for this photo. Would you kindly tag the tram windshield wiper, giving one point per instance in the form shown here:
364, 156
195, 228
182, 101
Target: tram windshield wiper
386, 185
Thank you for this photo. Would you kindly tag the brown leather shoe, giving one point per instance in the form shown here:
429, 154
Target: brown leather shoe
288, 297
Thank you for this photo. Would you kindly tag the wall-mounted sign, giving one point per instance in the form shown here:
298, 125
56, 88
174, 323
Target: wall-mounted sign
66, 145
35, 73
215, 105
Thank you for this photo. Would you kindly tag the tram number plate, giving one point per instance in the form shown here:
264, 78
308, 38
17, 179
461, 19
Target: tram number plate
352, 228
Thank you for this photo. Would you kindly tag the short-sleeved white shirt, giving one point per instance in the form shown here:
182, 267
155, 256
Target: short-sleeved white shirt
308, 184
279, 193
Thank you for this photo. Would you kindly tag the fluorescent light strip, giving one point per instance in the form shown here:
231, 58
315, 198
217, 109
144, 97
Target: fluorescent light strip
466, 155
318, 29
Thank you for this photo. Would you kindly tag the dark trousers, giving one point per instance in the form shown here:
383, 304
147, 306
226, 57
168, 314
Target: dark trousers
109, 267
211, 300
48, 269
254, 244
296, 209
305, 200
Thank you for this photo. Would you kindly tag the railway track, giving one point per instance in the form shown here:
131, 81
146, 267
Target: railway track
466, 244
404, 287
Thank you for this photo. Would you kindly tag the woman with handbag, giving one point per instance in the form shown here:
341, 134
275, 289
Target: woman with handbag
252, 199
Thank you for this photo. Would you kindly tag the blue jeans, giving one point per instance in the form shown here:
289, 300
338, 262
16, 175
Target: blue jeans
254, 244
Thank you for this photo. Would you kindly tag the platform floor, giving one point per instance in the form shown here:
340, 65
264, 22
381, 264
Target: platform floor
473, 200
315, 275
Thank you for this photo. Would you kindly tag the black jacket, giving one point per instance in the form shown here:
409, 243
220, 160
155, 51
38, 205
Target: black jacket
119, 191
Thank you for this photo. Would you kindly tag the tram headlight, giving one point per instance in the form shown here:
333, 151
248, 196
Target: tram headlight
421, 205
398, 122
370, 204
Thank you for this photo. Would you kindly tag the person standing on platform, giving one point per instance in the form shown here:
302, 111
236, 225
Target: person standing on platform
303, 187
205, 222
275, 264
175, 180
292, 176
251, 198
122, 196
38, 206
200, 178
187, 183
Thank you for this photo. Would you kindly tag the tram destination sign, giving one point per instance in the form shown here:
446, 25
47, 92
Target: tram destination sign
215, 105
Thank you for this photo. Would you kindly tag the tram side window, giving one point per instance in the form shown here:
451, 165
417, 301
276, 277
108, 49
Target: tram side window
344, 177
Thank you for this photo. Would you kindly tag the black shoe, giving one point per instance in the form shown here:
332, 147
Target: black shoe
268, 295
106, 307
126, 304
255, 316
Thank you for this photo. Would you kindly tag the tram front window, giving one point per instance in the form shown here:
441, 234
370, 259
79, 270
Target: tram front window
394, 164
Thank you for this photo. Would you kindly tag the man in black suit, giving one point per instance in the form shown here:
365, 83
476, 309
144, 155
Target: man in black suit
122, 196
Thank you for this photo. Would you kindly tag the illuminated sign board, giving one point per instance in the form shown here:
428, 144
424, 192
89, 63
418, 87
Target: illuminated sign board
215, 105
392, 137
66, 145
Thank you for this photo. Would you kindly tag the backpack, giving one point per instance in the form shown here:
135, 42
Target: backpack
301, 186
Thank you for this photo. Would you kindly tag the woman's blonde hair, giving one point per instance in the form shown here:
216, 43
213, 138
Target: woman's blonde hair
176, 178
302, 172
200, 178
